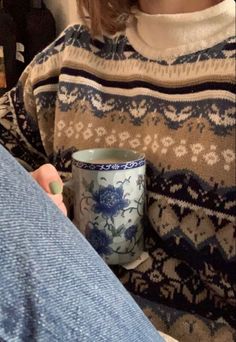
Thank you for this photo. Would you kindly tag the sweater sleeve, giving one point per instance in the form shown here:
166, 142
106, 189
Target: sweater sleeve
19, 131
23, 128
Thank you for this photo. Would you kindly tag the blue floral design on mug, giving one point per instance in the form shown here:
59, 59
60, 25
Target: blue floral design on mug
131, 232
109, 200
98, 239
110, 206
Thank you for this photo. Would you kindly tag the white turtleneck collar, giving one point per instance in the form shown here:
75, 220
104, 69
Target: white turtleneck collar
162, 35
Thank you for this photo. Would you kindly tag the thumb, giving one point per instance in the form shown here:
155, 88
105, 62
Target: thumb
48, 178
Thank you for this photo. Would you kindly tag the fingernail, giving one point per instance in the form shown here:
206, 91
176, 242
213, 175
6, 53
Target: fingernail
55, 188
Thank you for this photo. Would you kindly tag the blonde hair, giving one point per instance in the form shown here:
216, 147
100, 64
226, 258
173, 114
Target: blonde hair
106, 15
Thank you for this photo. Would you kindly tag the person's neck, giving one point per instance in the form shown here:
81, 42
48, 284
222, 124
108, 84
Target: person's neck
175, 6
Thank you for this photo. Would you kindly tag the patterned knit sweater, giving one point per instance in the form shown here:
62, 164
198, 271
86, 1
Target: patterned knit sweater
165, 87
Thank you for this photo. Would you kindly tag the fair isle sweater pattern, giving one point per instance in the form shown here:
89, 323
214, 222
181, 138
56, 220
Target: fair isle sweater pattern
80, 93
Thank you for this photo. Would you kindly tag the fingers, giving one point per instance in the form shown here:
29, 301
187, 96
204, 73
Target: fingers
62, 207
48, 178
58, 200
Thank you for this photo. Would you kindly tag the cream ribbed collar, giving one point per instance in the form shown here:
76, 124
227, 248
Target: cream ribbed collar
161, 35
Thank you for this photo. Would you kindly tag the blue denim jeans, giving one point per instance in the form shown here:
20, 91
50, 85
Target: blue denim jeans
53, 285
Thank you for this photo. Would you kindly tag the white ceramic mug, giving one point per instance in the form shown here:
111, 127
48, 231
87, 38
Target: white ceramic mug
109, 195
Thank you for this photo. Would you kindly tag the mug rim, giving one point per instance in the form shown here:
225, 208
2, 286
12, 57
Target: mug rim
131, 163
141, 156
